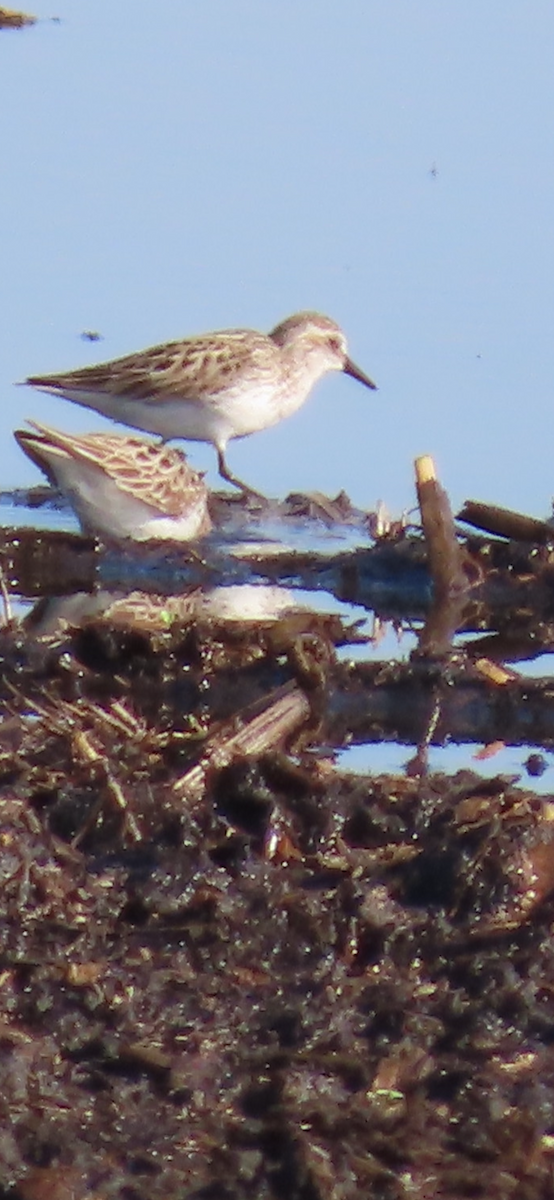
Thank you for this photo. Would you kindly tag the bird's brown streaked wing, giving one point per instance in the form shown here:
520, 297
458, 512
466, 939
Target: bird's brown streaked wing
31, 444
157, 475
191, 369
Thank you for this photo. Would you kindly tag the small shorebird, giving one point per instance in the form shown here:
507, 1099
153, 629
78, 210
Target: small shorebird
123, 487
213, 387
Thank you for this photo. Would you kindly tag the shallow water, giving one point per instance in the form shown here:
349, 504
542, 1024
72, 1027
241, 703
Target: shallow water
257, 600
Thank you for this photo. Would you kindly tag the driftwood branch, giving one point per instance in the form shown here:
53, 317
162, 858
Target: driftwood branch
445, 559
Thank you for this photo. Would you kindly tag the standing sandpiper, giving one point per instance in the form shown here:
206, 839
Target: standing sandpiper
122, 487
216, 386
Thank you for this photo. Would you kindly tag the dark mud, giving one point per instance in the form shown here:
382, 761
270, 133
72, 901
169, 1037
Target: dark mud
232, 972
297, 985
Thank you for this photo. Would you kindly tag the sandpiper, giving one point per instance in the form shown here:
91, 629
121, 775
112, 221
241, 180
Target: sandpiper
213, 387
122, 487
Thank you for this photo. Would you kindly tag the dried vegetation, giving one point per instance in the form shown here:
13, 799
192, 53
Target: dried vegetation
14, 20
231, 971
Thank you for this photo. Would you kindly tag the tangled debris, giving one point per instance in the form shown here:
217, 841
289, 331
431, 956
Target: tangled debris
289, 982
230, 971
15, 20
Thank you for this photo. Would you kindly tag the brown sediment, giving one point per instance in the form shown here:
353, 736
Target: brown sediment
300, 979
280, 977
231, 971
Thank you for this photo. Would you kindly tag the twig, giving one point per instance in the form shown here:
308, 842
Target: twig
15, 20
504, 523
281, 715
445, 561
6, 600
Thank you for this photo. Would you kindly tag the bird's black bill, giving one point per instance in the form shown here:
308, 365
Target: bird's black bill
350, 368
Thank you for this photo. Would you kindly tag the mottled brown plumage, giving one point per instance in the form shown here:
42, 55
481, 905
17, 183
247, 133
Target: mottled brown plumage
216, 386
122, 486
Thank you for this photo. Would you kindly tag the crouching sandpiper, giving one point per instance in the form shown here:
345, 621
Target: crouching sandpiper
122, 487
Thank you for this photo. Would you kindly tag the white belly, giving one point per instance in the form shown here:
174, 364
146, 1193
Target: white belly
218, 419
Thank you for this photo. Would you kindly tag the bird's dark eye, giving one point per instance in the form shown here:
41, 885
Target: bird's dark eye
335, 344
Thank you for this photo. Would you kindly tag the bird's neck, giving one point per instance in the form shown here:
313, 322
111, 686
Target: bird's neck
301, 372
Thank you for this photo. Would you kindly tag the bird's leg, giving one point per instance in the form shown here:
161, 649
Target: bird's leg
228, 475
